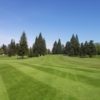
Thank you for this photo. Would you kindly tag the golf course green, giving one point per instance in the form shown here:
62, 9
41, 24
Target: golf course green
51, 77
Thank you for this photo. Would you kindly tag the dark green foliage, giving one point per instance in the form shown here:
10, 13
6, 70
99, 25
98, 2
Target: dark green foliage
72, 47
97, 45
35, 47
9, 51
39, 47
12, 48
54, 50
23, 47
1, 51
75, 45
4, 47
17, 48
68, 50
59, 47
92, 49
82, 50
87, 49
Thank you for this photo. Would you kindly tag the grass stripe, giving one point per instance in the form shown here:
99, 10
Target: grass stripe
66, 69
83, 68
69, 75
22, 87
56, 78
3, 92
64, 85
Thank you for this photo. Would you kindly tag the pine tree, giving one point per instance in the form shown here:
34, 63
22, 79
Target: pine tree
9, 50
59, 47
97, 45
89, 48
54, 50
68, 49
12, 48
1, 51
40, 44
86, 47
23, 46
35, 48
4, 48
39, 47
82, 50
92, 49
44, 47
75, 45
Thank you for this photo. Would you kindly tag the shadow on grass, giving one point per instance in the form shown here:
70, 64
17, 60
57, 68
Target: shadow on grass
75, 77
22, 87
74, 68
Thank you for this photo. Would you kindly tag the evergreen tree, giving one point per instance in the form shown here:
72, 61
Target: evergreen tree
86, 47
12, 48
74, 45
1, 51
40, 44
35, 48
82, 50
9, 50
23, 46
59, 47
17, 48
4, 48
68, 49
92, 49
89, 48
97, 45
39, 47
54, 50
77, 45
44, 47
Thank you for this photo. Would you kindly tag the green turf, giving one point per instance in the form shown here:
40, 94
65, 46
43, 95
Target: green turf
50, 78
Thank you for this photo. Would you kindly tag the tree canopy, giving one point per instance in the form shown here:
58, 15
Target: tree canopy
73, 47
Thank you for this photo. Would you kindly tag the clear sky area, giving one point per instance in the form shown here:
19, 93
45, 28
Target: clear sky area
54, 18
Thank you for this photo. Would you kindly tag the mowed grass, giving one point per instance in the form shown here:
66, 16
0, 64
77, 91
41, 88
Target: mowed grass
50, 78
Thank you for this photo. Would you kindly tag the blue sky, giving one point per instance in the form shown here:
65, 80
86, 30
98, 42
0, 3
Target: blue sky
54, 18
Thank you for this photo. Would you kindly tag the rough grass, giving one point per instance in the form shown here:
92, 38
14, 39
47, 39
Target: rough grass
50, 78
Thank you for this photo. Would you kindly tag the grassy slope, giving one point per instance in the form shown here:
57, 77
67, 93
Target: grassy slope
50, 78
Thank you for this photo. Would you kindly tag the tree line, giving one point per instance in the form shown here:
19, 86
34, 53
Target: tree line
75, 48
71, 48
21, 49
